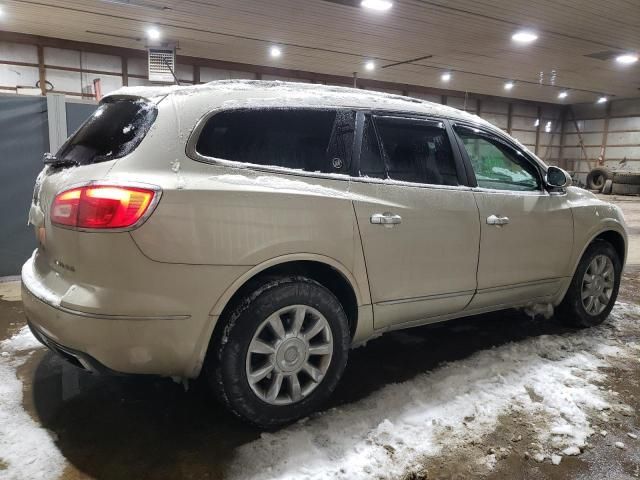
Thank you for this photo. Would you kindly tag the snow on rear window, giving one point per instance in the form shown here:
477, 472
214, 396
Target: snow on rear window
114, 130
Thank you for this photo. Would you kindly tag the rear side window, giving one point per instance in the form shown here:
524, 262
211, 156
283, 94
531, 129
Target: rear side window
303, 139
414, 150
114, 130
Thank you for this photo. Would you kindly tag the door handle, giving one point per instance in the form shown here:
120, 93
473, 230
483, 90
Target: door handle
386, 218
496, 220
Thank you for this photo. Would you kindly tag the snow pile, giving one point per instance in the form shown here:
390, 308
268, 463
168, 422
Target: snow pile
26, 449
552, 378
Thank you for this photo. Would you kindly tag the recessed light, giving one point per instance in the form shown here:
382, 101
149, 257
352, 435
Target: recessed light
508, 85
602, 99
379, 5
370, 65
275, 52
153, 33
563, 94
445, 77
524, 36
627, 58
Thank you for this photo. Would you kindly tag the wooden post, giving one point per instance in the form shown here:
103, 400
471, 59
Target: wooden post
125, 71
539, 122
605, 135
509, 117
196, 74
563, 119
443, 99
478, 106
42, 77
581, 141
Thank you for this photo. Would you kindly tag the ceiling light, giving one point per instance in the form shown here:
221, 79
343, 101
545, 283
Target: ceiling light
563, 94
508, 85
537, 122
275, 52
370, 65
524, 36
1, 12
153, 33
602, 99
445, 77
627, 58
379, 5
547, 127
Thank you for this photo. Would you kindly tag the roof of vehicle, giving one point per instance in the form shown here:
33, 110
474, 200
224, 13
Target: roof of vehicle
245, 93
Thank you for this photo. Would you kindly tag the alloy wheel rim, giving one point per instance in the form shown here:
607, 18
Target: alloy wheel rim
597, 285
289, 355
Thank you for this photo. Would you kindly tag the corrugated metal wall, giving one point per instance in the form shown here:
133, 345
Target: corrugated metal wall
611, 129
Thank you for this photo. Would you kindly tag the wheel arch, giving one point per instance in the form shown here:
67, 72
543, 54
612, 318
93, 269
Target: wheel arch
326, 271
612, 233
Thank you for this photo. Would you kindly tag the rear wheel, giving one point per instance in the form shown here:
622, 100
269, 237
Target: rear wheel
282, 352
594, 287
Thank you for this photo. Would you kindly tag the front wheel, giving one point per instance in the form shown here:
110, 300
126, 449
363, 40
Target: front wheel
594, 287
282, 352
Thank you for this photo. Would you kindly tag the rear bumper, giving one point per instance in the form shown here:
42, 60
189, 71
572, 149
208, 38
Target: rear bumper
75, 357
168, 346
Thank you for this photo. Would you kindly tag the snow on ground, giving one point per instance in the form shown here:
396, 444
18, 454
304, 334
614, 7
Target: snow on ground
26, 449
553, 378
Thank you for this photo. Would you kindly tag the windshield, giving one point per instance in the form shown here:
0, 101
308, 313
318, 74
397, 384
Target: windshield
114, 130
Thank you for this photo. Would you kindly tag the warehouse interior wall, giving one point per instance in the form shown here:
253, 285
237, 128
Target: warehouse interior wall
24, 136
35, 65
602, 134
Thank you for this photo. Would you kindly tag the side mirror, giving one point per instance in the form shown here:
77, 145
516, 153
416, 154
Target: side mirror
557, 178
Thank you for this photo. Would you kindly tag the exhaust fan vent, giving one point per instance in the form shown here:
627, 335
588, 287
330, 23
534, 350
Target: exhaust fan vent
162, 64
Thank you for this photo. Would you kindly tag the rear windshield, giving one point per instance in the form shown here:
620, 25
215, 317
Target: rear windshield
115, 129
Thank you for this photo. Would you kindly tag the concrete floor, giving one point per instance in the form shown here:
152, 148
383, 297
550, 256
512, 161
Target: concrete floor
125, 428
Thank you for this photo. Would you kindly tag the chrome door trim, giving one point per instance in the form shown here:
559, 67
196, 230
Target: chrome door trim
428, 297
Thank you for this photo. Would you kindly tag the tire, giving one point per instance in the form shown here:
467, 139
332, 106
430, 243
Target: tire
231, 363
627, 178
608, 185
572, 310
597, 177
625, 189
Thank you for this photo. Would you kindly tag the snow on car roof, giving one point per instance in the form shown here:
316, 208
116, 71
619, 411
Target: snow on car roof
277, 93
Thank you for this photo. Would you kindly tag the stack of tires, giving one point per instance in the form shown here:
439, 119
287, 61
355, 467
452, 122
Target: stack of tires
603, 180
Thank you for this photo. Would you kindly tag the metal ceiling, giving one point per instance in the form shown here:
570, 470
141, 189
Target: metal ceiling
412, 43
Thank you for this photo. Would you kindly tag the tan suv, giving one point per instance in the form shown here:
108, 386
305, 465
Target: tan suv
252, 232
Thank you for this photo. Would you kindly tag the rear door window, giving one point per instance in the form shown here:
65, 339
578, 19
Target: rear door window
114, 130
303, 139
413, 150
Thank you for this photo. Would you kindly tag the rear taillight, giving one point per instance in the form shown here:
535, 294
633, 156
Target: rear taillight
101, 206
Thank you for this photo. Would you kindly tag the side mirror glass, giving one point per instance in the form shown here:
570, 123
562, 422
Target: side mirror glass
557, 178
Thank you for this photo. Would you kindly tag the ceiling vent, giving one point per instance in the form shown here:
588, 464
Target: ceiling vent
162, 64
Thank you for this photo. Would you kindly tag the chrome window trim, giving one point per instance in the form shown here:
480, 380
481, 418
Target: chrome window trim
193, 154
